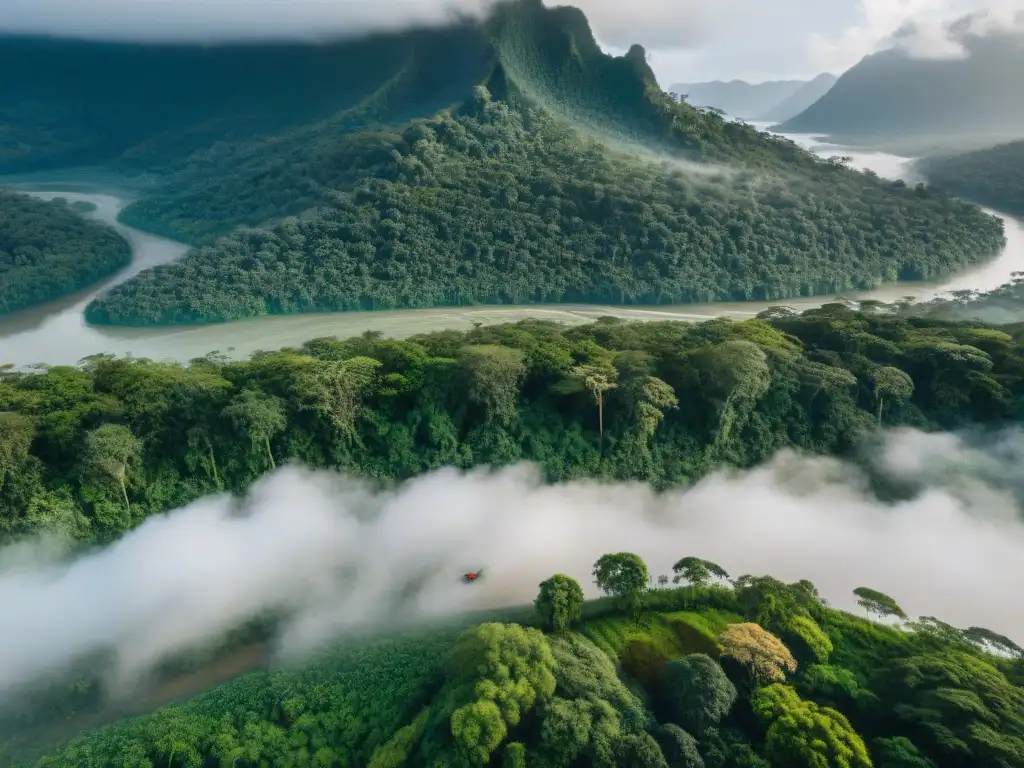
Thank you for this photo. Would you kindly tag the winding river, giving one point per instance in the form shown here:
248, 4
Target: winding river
56, 332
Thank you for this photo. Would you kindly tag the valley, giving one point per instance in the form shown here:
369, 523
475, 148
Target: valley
375, 401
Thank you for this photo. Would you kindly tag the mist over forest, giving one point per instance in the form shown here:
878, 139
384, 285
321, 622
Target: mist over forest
787, 540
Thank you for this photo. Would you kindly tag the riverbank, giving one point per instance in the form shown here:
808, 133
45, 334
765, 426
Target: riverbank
57, 333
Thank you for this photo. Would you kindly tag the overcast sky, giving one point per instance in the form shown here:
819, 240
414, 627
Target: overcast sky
689, 40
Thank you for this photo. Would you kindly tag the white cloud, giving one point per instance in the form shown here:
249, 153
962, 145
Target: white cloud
921, 27
670, 24
223, 19
346, 557
690, 40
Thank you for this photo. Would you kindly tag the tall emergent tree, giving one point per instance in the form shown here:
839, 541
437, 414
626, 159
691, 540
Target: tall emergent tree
624, 576
878, 603
257, 416
559, 602
109, 451
892, 383
334, 390
698, 572
598, 378
495, 373
16, 434
735, 374
765, 656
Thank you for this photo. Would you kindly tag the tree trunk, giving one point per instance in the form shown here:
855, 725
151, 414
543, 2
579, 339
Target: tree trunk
816, 392
213, 464
124, 491
724, 422
600, 415
270, 455
881, 400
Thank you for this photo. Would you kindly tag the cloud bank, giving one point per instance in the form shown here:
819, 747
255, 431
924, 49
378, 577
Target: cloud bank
218, 20
655, 23
691, 41
927, 29
345, 556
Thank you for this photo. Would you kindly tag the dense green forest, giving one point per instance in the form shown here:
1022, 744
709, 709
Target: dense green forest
714, 673
511, 206
94, 450
508, 160
91, 452
48, 250
993, 176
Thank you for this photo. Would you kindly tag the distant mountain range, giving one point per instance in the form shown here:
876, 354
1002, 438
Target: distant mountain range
770, 100
800, 100
893, 94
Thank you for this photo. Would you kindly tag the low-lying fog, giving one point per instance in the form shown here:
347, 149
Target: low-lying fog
346, 556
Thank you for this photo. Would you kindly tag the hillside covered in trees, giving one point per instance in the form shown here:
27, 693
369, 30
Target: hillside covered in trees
509, 206
711, 673
501, 161
992, 177
47, 250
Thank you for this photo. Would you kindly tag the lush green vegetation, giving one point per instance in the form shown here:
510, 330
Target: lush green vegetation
459, 166
94, 450
47, 250
754, 673
511, 206
992, 177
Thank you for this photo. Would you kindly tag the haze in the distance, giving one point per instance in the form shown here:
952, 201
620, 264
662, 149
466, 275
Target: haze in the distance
688, 42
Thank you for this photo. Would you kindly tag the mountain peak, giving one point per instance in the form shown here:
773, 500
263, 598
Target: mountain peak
892, 93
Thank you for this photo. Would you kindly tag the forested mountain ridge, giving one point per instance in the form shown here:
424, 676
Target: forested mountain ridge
892, 93
992, 177
252, 99
502, 161
48, 250
149, 107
